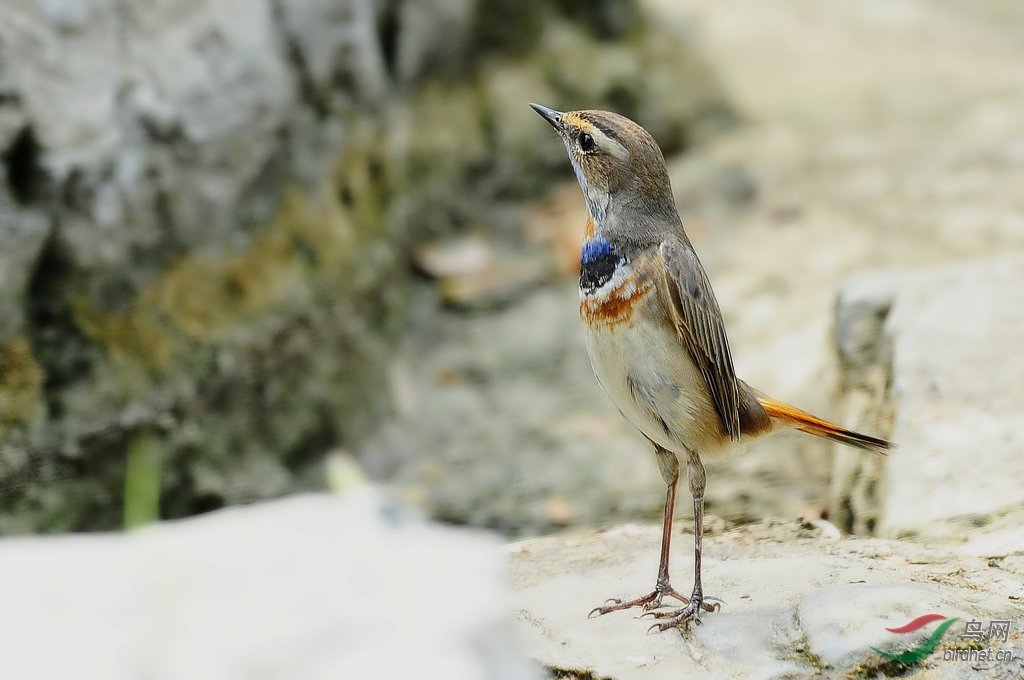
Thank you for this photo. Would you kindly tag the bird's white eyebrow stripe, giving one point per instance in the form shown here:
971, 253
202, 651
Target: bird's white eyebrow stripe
604, 141
609, 144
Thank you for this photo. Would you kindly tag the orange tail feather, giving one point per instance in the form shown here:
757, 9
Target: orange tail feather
805, 422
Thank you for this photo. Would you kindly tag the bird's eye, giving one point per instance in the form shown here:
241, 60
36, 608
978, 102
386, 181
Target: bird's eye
586, 142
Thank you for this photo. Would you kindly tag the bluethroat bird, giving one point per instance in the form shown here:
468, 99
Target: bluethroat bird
655, 334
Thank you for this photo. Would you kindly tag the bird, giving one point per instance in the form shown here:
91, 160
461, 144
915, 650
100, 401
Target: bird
655, 334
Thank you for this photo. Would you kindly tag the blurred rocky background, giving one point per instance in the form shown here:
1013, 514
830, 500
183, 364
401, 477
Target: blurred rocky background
240, 235
210, 214
254, 248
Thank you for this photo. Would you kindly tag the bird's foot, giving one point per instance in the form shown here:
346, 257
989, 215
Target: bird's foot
683, 617
650, 601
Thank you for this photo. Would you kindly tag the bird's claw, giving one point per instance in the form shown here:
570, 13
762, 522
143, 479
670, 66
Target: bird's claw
672, 618
648, 602
662, 627
610, 605
685, 616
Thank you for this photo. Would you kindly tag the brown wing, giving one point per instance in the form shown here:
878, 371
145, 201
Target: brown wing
700, 326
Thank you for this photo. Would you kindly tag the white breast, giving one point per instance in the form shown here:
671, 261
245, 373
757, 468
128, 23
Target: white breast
648, 374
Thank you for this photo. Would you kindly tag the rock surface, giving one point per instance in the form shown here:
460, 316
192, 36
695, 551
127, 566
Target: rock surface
154, 256
952, 337
309, 587
796, 604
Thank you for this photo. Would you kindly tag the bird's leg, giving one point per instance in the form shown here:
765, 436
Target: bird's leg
695, 471
669, 465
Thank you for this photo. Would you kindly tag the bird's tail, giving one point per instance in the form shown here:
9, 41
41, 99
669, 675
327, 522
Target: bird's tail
790, 416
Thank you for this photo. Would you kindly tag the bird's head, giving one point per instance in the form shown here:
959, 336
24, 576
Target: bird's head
618, 164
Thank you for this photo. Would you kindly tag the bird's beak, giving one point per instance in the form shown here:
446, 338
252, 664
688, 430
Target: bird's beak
550, 115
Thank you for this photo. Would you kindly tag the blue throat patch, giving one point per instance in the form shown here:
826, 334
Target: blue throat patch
597, 264
595, 249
